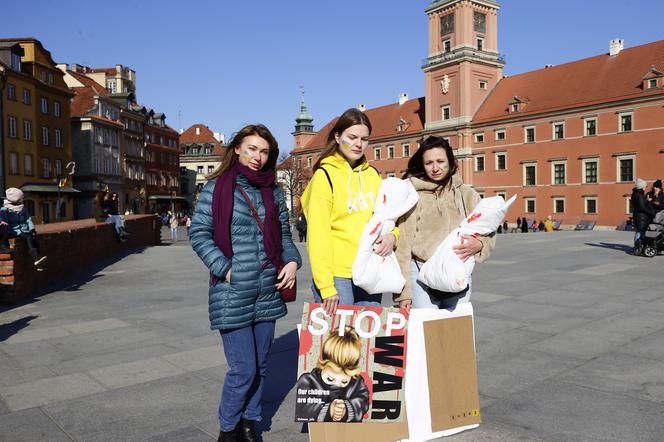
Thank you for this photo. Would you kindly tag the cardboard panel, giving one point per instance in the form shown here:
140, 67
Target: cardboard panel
452, 373
359, 432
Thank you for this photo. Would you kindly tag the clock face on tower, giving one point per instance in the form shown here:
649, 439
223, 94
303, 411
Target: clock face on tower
479, 22
447, 24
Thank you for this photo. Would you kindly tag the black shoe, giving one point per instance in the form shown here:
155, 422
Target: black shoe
246, 431
228, 436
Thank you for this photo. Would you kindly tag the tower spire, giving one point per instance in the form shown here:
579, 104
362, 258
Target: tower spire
304, 121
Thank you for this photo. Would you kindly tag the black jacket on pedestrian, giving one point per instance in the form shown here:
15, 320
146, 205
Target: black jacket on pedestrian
656, 201
643, 211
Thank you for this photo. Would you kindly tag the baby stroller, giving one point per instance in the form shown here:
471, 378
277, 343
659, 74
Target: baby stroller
653, 241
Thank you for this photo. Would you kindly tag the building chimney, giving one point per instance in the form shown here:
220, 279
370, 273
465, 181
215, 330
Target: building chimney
181, 130
615, 46
361, 107
198, 131
219, 137
403, 97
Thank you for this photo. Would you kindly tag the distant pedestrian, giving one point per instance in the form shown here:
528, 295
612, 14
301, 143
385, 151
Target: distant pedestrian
15, 222
524, 225
656, 196
505, 226
643, 213
301, 226
173, 222
533, 226
187, 224
540, 226
548, 224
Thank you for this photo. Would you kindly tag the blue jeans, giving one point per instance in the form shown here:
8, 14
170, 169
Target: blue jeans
350, 294
174, 234
246, 351
422, 299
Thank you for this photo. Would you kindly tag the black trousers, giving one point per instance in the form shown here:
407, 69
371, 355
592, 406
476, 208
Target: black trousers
30, 240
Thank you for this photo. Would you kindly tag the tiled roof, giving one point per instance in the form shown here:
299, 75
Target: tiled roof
590, 81
384, 121
205, 136
110, 71
84, 99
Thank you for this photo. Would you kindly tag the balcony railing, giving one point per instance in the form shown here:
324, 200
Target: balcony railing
463, 52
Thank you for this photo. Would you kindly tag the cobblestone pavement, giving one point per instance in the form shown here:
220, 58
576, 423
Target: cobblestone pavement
569, 329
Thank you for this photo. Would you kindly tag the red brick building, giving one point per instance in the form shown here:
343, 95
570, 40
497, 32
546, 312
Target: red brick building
568, 140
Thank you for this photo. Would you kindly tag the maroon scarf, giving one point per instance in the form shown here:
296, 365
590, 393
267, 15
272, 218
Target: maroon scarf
222, 211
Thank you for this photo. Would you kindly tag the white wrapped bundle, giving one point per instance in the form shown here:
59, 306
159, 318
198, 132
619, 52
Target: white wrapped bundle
372, 272
444, 270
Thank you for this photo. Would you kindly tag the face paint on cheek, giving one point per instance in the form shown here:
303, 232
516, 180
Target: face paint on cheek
246, 153
345, 143
444, 167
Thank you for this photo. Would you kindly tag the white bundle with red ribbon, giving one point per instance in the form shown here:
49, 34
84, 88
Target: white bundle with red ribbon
445, 271
372, 272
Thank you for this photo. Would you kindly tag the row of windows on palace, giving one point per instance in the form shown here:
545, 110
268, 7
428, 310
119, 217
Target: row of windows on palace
27, 99
624, 171
48, 169
12, 130
559, 204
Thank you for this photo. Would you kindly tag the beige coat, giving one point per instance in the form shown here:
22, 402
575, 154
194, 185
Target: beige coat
426, 225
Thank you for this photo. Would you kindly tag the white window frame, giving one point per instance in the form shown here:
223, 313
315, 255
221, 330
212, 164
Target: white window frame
13, 163
501, 131
12, 129
553, 172
525, 134
584, 177
27, 96
391, 175
390, 151
27, 130
621, 115
585, 126
58, 167
56, 108
553, 130
627, 203
476, 163
446, 42
11, 92
377, 153
555, 200
447, 108
525, 205
585, 205
44, 135
405, 150
46, 168
515, 107
477, 138
484, 85
479, 42
496, 155
310, 161
27, 164
652, 83
58, 138
43, 105
525, 166
626, 157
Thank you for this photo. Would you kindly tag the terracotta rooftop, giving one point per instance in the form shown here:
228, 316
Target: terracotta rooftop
84, 99
110, 71
205, 136
384, 121
590, 81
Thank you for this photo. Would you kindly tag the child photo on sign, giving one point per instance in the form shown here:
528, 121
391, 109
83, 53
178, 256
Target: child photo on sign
334, 391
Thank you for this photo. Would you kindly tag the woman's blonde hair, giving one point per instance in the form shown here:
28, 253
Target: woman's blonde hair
342, 353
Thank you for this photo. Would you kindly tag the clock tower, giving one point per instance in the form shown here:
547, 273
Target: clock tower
462, 68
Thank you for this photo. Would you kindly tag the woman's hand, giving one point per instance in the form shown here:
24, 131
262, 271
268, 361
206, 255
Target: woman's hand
287, 276
469, 246
407, 304
384, 245
330, 304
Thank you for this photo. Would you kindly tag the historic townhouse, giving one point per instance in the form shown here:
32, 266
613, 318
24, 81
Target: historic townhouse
36, 135
201, 152
568, 140
96, 137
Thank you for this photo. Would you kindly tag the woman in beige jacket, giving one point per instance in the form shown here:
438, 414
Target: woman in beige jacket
444, 202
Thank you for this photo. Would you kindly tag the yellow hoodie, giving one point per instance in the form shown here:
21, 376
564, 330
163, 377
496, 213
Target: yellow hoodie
336, 218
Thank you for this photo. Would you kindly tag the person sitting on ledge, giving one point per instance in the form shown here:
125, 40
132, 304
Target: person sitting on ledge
15, 221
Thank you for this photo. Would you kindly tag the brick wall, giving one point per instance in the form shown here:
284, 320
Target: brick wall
71, 247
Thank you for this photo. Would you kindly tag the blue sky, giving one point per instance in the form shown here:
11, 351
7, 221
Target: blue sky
226, 64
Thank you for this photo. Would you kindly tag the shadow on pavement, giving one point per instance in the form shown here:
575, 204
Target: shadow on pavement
621, 247
7, 330
280, 378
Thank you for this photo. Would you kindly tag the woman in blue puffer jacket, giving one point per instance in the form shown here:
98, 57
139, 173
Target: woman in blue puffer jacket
243, 258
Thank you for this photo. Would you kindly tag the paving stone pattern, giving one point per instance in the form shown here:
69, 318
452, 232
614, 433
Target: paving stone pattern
569, 335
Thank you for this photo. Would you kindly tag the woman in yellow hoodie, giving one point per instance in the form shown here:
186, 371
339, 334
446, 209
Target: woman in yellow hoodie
337, 203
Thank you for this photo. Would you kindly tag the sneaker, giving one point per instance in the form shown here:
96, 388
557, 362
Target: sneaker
40, 261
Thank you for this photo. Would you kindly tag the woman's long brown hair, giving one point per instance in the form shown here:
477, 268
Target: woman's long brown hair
230, 157
416, 162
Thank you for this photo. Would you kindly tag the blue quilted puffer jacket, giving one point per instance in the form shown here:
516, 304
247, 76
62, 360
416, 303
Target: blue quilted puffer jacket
251, 295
